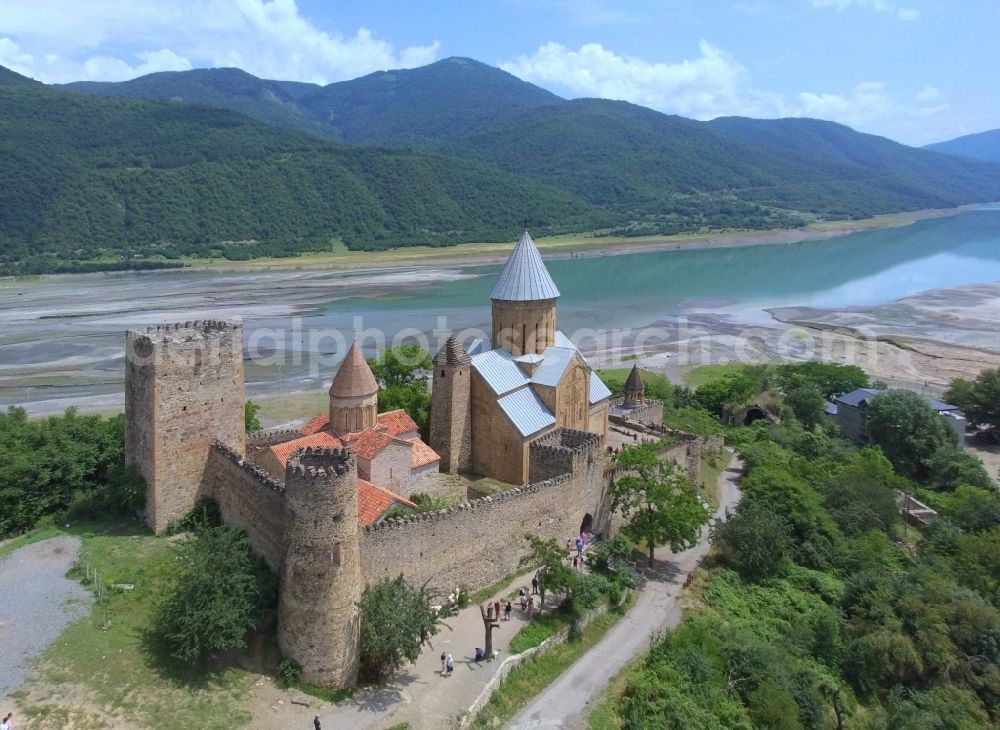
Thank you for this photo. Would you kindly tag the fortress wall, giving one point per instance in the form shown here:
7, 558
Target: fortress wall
249, 498
478, 543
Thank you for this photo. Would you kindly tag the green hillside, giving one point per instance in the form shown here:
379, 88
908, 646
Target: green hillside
662, 173
87, 176
984, 145
272, 102
419, 107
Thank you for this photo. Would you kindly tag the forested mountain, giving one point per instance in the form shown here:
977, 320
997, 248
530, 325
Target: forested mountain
272, 102
84, 174
475, 151
984, 145
653, 168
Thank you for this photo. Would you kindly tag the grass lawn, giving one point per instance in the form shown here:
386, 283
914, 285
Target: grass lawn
708, 373
603, 716
107, 669
527, 680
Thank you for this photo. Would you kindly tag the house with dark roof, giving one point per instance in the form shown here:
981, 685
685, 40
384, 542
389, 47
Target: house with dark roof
850, 412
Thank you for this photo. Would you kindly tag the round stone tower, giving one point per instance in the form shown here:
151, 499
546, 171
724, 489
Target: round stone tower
451, 407
635, 389
319, 622
524, 302
353, 395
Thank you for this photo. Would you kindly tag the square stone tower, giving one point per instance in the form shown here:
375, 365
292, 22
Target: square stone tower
184, 388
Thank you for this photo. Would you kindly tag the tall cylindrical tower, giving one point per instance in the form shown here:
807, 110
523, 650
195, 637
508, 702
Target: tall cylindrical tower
524, 302
318, 618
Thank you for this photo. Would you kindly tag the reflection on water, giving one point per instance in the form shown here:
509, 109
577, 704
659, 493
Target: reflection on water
64, 335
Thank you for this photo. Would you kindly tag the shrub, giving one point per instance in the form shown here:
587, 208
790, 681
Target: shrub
289, 672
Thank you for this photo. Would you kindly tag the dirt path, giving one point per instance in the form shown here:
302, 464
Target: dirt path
567, 701
37, 601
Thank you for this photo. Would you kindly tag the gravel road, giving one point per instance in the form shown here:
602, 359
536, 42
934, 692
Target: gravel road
566, 702
37, 602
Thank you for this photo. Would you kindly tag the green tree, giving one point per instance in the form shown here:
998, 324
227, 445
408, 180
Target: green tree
250, 421
951, 466
402, 374
218, 595
657, 500
980, 399
554, 574
755, 540
908, 430
831, 379
862, 497
807, 404
729, 390
396, 621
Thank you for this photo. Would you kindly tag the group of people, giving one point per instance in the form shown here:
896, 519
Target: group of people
447, 665
494, 610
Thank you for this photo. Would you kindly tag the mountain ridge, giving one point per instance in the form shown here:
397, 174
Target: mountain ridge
981, 145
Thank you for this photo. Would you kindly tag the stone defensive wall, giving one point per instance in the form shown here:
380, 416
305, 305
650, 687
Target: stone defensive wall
649, 412
248, 498
260, 440
477, 543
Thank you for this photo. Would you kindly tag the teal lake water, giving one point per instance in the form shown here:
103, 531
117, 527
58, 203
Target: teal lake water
613, 291
63, 337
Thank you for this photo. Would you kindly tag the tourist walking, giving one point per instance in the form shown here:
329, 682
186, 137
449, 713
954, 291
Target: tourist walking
8, 722
531, 605
524, 601
450, 665
496, 610
444, 664
534, 583
316, 725
507, 611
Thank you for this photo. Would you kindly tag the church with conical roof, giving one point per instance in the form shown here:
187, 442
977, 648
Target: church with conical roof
491, 400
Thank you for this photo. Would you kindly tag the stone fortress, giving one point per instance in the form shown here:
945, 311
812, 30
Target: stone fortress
529, 412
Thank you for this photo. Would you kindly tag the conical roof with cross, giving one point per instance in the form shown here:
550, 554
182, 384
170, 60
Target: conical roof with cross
524, 277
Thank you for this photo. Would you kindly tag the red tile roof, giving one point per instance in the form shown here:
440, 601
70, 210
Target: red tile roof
373, 501
283, 451
316, 424
369, 443
396, 422
422, 454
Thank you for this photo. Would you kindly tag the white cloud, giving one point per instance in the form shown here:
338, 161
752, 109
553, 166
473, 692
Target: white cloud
878, 5
268, 38
104, 68
13, 58
715, 84
702, 87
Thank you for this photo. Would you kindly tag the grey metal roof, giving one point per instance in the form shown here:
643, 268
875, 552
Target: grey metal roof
598, 390
524, 277
529, 358
477, 346
499, 370
526, 411
554, 362
830, 408
856, 397
564, 341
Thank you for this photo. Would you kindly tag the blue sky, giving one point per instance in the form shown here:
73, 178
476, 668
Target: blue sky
916, 71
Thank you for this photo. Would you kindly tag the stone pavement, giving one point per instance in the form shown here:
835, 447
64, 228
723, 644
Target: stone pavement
418, 694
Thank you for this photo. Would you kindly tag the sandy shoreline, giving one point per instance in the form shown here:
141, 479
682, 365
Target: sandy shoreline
560, 247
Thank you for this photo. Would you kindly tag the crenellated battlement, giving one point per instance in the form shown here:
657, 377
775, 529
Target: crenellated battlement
259, 475
272, 437
470, 506
202, 325
321, 462
567, 438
